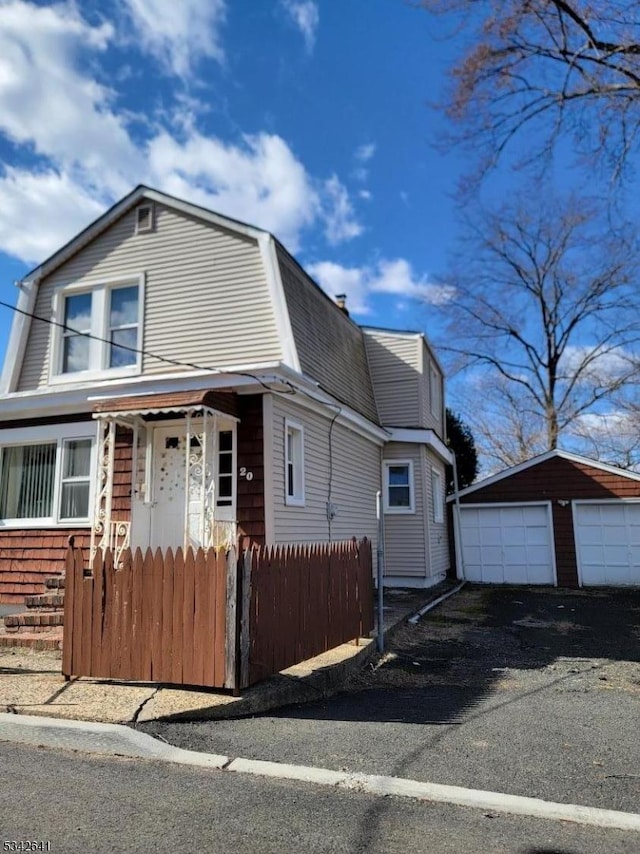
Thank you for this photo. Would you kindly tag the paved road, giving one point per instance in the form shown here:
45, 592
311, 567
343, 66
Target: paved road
95, 805
524, 692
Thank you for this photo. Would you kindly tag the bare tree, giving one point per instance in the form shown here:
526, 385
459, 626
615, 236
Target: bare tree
550, 66
547, 308
505, 428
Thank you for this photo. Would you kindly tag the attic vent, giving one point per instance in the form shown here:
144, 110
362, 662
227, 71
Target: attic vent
144, 218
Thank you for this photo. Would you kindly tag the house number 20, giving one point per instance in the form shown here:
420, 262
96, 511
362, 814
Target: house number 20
245, 473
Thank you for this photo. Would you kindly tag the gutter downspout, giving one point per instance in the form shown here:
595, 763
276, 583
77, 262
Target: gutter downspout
457, 542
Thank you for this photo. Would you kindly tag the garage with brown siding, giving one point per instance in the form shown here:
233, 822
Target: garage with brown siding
558, 519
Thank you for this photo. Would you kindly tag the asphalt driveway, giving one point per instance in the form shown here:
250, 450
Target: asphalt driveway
526, 691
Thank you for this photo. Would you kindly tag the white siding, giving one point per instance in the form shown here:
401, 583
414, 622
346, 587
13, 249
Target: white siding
356, 479
207, 300
405, 535
438, 536
394, 361
427, 418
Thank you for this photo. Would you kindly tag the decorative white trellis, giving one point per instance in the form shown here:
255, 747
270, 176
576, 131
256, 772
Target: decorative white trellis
202, 528
105, 532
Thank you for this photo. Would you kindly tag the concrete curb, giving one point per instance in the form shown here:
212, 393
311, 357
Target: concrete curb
110, 739
437, 793
118, 740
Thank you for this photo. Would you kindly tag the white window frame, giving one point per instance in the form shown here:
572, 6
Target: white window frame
100, 328
388, 508
53, 434
437, 495
435, 391
297, 431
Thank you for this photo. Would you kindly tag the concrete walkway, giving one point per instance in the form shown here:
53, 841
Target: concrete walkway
31, 682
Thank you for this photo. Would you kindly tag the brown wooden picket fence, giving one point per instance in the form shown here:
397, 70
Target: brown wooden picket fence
210, 619
306, 599
158, 617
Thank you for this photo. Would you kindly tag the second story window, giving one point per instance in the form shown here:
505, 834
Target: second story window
102, 331
123, 326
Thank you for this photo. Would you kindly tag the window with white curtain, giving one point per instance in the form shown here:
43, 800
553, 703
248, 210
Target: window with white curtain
46, 482
437, 496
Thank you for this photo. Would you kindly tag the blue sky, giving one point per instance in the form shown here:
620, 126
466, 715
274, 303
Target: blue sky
310, 119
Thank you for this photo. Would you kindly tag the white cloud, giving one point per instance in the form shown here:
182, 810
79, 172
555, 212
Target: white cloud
28, 228
336, 279
45, 101
385, 277
338, 213
87, 155
260, 181
305, 15
603, 367
365, 194
365, 152
178, 33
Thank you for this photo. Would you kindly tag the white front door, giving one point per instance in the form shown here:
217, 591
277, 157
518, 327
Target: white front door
169, 480
608, 542
507, 544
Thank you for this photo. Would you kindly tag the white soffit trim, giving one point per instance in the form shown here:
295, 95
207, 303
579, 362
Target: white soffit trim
20, 326
278, 300
422, 437
542, 458
322, 400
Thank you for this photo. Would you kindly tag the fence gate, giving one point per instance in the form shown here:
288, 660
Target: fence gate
156, 617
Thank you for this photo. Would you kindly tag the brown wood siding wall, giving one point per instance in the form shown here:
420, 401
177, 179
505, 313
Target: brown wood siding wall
556, 480
29, 556
250, 497
123, 460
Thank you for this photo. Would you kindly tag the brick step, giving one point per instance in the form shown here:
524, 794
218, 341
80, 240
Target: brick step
54, 582
43, 640
52, 601
33, 621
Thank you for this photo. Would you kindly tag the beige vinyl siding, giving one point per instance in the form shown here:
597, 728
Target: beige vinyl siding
356, 479
394, 362
330, 347
428, 419
206, 296
405, 535
438, 536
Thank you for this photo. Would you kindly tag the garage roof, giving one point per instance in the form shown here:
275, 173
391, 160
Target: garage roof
541, 458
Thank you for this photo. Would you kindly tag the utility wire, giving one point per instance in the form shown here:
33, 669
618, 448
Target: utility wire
292, 389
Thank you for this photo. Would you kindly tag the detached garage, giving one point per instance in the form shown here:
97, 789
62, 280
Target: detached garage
557, 519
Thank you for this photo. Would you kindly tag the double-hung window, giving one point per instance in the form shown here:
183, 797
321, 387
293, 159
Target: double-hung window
45, 481
398, 487
294, 463
100, 330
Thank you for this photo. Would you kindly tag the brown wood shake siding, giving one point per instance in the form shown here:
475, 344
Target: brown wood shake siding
251, 497
556, 480
29, 555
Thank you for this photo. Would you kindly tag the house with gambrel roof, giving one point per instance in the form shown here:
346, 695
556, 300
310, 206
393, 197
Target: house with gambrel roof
174, 377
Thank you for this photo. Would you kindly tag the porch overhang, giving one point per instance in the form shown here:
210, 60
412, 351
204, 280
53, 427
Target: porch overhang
128, 409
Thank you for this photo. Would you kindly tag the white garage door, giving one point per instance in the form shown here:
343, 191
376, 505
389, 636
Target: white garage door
507, 544
608, 542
